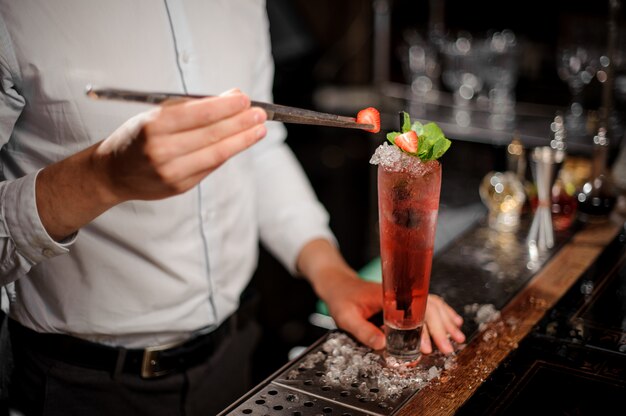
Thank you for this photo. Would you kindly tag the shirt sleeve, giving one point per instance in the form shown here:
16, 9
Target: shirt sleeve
290, 215
23, 240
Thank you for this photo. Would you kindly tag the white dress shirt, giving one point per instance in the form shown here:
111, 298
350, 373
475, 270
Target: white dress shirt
142, 273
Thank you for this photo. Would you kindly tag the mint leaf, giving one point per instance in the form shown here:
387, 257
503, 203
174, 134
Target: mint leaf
433, 131
435, 143
440, 147
418, 128
432, 142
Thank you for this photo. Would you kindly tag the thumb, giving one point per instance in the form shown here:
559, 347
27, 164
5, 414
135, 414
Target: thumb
363, 330
127, 132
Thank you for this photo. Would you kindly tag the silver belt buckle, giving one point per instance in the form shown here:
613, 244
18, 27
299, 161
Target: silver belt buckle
149, 363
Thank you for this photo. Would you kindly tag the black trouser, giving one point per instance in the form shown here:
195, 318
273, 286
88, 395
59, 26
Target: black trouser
42, 385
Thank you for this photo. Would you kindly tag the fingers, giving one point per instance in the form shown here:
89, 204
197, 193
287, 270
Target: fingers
437, 330
425, 345
454, 322
197, 139
370, 335
195, 114
442, 321
209, 158
195, 124
363, 330
167, 151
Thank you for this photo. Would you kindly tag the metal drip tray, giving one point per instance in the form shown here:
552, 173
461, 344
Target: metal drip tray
301, 388
274, 399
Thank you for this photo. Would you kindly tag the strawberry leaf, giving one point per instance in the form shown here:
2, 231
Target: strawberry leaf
406, 125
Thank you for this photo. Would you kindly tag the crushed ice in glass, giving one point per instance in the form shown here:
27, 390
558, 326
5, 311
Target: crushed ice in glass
394, 159
347, 365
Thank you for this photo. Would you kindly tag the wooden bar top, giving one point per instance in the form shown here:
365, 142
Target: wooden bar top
486, 351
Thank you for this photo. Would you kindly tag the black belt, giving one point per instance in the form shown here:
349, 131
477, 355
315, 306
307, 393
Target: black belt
148, 363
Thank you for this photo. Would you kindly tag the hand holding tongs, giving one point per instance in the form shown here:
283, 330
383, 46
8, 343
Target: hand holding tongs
274, 111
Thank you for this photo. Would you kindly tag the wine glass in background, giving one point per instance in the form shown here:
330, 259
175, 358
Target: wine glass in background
619, 69
461, 74
499, 68
617, 120
577, 65
421, 69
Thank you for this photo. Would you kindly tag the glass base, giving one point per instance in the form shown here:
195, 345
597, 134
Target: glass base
404, 344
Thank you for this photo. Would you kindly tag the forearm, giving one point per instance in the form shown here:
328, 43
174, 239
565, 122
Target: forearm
71, 193
350, 300
321, 263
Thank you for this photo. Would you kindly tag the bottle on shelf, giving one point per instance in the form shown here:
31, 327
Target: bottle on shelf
516, 158
564, 204
597, 197
563, 193
517, 163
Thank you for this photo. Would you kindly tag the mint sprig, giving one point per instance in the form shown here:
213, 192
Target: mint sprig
432, 142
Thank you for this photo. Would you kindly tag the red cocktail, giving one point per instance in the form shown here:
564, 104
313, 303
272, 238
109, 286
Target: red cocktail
408, 203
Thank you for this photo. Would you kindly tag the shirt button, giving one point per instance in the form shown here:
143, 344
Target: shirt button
47, 252
184, 57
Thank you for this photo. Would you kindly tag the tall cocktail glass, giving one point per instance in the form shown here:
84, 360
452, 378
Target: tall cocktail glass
408, 204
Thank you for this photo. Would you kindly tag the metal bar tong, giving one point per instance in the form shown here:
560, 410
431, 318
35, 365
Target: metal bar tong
274, 112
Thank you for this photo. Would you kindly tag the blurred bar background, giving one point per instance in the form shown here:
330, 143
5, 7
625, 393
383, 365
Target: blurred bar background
487, 72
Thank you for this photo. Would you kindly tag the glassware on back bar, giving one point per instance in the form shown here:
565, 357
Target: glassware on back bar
503, 194
562, 193
597, 198
545, 161
408, 203
564, 204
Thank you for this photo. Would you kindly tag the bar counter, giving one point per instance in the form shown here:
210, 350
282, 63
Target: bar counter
591, 256
558, 336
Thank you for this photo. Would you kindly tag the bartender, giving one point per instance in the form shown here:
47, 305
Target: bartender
128, 232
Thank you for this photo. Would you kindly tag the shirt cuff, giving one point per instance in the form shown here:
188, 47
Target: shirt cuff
24, 225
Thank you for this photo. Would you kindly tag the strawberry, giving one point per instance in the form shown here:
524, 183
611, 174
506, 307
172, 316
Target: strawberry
371, 116
407, 141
